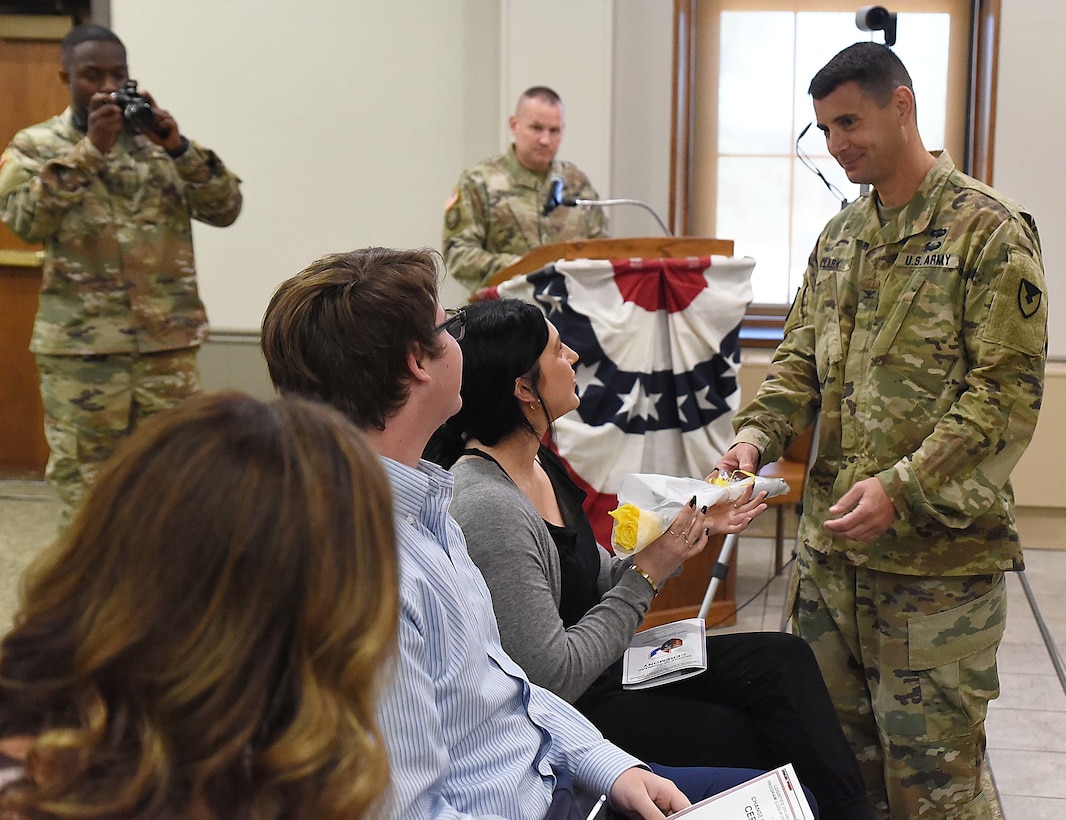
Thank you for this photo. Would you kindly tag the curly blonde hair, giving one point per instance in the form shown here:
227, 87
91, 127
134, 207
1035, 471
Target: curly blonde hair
209, 636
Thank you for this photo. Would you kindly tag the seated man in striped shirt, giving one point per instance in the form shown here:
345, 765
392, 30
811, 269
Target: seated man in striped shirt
467, 734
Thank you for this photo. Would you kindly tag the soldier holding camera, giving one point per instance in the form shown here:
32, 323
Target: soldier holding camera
110, 186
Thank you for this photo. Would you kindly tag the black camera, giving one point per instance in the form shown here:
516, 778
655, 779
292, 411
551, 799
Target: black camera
877, 18
136, 109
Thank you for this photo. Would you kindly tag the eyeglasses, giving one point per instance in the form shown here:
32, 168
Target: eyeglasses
454, 325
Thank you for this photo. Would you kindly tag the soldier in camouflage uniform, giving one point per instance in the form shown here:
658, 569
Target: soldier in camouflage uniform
917, 342
119, 319
496, 213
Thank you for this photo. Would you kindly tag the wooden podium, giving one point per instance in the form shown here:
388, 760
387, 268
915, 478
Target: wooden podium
638, 247
681, 596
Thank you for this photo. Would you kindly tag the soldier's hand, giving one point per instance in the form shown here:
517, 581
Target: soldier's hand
105, 121
164, 132
865, 512
738, 457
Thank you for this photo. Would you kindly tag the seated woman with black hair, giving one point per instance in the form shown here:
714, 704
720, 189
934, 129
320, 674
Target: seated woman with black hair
207, 639
567, 610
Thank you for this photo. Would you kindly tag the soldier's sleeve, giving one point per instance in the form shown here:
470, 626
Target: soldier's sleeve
967, 459
36, 191
786, 402
211, 189
465, 236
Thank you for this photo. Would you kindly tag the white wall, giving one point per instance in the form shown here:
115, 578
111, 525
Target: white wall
643, 82
1030, 118
347, 120
566, 46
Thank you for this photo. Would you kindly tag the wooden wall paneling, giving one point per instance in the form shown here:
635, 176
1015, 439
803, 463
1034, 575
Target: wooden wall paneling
23, 451
32, 92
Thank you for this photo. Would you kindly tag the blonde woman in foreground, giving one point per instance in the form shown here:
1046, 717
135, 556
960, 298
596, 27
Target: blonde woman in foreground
206, 640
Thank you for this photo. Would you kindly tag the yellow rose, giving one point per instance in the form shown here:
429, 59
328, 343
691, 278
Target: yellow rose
634, 529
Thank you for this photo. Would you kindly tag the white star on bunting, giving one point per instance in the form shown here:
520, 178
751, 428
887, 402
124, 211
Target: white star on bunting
640, 404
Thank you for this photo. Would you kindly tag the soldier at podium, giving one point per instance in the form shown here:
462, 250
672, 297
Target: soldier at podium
497, 212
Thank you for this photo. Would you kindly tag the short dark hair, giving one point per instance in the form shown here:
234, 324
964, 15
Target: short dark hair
875, 67
340, 330
503, 341
541, 92
85, 33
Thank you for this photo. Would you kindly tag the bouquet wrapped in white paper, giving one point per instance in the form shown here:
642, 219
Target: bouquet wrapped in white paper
648, 502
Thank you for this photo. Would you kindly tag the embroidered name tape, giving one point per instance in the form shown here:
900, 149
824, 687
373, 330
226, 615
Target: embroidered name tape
930, 260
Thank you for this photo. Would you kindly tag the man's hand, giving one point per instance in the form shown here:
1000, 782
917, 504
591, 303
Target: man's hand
739, 457
164, 131
867, 512
640, 793
105, 121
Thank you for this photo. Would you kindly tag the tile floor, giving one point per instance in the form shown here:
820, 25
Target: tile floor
1026, 725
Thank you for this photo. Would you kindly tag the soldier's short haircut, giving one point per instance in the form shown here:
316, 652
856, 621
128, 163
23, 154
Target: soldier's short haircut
875, 67
341, 329
540, 92
87, 33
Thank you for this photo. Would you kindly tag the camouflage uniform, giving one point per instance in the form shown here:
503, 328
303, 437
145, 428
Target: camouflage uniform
920, 346
494, 217
119, 317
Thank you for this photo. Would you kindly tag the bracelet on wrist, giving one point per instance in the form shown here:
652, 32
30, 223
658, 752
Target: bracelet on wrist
646, 577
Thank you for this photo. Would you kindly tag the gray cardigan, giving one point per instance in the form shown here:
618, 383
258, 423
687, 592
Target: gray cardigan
512, 547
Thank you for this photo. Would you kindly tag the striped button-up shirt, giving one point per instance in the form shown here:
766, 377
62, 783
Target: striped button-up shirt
467, 733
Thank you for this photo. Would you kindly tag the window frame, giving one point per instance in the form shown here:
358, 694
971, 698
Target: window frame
763, 324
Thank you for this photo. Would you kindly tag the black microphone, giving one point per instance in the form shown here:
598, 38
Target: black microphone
555, 195
556, 198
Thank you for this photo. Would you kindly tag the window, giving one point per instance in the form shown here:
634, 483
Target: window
752, 63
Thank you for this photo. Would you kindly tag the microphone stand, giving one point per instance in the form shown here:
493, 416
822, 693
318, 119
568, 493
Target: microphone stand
602, 202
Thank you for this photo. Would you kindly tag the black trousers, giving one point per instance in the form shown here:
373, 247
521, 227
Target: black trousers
761, 703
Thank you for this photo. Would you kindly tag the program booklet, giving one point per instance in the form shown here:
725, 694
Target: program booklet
665, 653
774, 795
